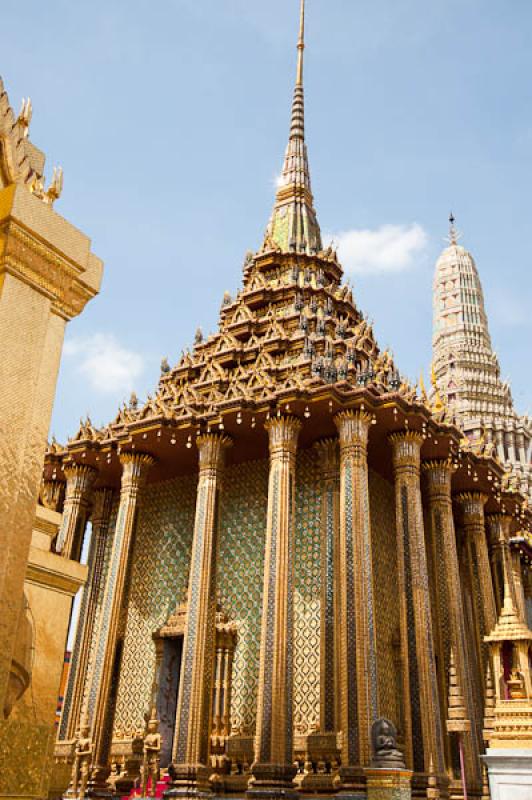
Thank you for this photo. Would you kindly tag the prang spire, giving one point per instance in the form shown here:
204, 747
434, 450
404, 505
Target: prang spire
293, 226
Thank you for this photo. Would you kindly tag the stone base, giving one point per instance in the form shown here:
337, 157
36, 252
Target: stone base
189, 781
388, 784
272, 782
510, 773
351, 783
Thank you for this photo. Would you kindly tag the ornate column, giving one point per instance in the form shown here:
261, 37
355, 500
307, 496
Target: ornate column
273, 769
193, 719
499, 527
423, 727
472, 505
80, 479
135, 467
327, 450
438, 482
100, 517
519, 589
356, 626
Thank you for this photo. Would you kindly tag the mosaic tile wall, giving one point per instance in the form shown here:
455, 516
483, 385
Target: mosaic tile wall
159, 578
160, 572
307, 599
382, 505
243, 528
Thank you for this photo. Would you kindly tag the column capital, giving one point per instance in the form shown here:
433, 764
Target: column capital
327, 450
499, 526
283, 432
211, 450
102, 500
438, 473
353, 427
135, 468
472, 505
406, 449
80, 478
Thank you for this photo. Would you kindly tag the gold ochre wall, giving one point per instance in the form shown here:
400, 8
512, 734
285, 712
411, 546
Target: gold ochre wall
159, 576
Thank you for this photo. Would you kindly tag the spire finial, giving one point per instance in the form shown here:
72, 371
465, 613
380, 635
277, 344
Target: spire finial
453, 233
301, 45
293, 226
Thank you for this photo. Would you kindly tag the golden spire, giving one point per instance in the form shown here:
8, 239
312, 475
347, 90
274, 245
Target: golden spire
301, 45
293, 226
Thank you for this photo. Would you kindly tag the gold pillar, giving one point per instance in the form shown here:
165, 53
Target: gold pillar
92, 595
423, 727
273, 770
135, 467
517, 574
47, 274
356, 626
327, 450
80, 479
193, 719
472, 505
499, 530
438, 482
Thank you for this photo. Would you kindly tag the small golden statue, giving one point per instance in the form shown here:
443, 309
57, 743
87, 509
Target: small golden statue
82, 761
152, 751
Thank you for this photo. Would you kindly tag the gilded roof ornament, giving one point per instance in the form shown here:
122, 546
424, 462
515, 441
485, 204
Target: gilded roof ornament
25, 115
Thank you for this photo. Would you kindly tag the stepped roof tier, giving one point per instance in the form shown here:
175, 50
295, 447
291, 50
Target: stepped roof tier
466, 368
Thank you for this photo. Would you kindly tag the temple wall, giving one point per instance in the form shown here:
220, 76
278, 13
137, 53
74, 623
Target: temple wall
159, 577
243, 528
385, 582
307, 593
158, 581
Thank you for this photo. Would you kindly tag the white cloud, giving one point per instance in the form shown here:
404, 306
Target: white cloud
107, 366
390, 248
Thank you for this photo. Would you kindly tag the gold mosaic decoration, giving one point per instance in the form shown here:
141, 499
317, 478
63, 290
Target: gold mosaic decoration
243, 518
382, 509
159, 577
307, 598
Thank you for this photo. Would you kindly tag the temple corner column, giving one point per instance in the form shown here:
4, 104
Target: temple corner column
135, 468
438, 476
79, 482
100, 519
356, 626
423, 725
273, 770
190, 757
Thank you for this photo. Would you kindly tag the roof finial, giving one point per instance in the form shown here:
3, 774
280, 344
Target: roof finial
453, 233
301, 45
293, 225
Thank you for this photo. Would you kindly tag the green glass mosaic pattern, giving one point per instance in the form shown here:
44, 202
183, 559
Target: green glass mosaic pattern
159, 577
307, 595
243, 528
382, 509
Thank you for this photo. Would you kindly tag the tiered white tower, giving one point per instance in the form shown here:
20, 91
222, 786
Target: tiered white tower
466, 368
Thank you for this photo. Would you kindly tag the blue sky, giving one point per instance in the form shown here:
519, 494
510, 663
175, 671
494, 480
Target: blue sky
170, 120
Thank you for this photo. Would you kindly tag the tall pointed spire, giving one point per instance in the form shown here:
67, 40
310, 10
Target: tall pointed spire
293, 226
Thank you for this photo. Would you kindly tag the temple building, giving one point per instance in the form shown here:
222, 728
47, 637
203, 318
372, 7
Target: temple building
288, 542
467, 370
